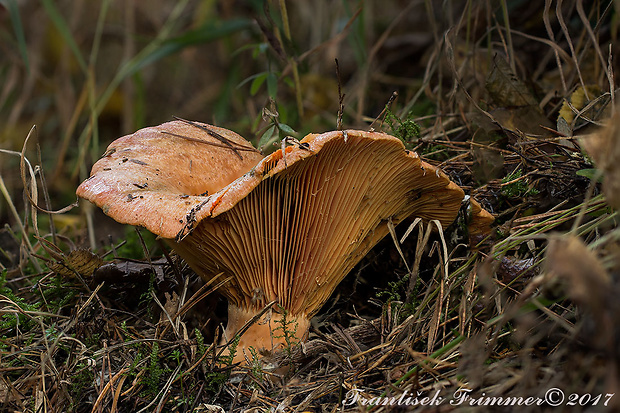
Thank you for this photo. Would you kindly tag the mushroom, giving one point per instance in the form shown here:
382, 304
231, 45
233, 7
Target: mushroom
479, 225
285, 228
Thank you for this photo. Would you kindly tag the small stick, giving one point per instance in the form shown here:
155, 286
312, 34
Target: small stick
217, 136
219, 145
387, 106
340, 98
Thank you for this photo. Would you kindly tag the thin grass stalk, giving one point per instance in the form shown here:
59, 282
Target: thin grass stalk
560, 17
440, 352
511, 52
292, 61
162, 392
594, 40
550, 33
127, 69
46, 198
553, 221
91, 79
129, 50
18, 220
392, 231
63, 28
68, 133
13, 8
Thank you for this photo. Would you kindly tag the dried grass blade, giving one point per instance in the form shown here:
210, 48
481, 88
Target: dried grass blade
167, 314
200, 294
229, 144
392, 230
595, 42
440, 352
444, 246
117, 394
166, 388
22, 229
433, 327
555, 46
466, 305
410, 228
32, 194
108, 386
219, 145
200, 360
558, 13
322, 389
246, 326
421, 244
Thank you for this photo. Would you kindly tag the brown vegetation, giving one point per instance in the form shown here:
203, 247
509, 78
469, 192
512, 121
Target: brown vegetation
513, 100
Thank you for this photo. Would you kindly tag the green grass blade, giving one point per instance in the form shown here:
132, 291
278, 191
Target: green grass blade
11, 6
204, 34
65, 32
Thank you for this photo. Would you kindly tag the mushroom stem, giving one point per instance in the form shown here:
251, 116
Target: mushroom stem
272, 331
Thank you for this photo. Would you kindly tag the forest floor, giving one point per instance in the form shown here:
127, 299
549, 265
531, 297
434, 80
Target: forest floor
514, 102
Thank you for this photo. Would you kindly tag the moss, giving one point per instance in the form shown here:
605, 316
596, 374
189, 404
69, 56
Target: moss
405, 128
517, 189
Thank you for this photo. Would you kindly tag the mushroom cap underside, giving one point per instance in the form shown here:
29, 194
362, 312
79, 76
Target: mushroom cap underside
295, 225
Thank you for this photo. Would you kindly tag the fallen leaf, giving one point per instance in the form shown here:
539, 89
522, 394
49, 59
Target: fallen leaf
82, 261
506, 89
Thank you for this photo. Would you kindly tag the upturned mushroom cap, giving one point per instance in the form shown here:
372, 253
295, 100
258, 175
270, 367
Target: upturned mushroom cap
152, 177
289, 229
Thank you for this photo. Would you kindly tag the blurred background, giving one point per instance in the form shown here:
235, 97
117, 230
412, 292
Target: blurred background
87, 72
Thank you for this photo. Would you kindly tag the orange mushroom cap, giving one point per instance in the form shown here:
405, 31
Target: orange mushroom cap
285, 228
153, 176
479, 225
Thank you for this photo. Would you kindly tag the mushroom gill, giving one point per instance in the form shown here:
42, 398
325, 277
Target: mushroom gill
290, 229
